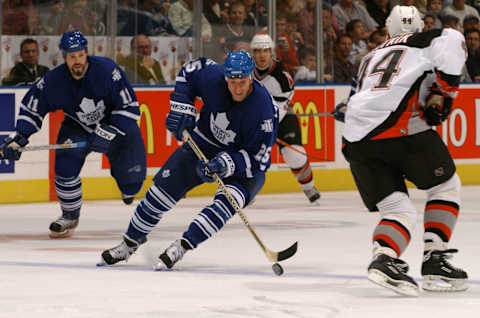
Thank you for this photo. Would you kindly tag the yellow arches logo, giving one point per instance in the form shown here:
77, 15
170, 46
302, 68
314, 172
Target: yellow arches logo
145, 113
311, 108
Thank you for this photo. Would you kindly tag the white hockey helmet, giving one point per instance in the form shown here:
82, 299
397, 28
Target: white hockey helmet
262, 41
404, 19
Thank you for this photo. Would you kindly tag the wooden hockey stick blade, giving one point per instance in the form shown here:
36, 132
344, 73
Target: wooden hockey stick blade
79, 144
325, 114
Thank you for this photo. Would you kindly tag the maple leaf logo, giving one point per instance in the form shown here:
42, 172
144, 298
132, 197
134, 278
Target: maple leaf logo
218, 126
91, 113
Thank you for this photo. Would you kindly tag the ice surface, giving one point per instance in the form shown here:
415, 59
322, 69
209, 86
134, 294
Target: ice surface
227, 276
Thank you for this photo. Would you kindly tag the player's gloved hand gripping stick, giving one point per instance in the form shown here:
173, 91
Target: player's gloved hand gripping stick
271, 255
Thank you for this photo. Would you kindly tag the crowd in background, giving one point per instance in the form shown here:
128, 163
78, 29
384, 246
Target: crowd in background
350, 28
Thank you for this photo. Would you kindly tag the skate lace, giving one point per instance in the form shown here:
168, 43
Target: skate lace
122, 251
400, 265
445, 255
175, 251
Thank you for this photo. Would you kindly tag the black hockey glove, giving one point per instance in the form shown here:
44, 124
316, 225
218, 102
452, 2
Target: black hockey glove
222, 165
102, 138
339, 112
10, 145
182, 115
437, 108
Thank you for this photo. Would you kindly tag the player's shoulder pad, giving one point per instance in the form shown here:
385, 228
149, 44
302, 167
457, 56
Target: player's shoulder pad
283, 77
261, 96
103, 67
423, 39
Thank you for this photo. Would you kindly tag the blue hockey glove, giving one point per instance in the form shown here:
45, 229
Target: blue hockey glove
102, 138
222, 165
182, 115
10, 145
339, 112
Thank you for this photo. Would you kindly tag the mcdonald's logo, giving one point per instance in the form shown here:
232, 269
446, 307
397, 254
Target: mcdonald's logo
305, 122
145, 113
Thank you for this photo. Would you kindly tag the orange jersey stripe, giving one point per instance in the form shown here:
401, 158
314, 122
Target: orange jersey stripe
389, 241
442, 227
398, 228
443, 207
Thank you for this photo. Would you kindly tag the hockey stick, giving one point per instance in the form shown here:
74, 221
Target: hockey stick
325, 114
79, 144
271, 255
286, 144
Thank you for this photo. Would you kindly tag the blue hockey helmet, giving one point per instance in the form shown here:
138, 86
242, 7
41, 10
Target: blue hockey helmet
238, 65
72, 41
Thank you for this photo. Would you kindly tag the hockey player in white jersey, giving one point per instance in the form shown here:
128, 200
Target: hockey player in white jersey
404, 87
279, 84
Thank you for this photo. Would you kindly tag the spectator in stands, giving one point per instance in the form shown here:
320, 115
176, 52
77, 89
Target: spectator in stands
285, 47
292, 30
256, 14
434, 8
306, 23
132, 21
459, 9
51, 23
76, 18
450, 21
180, 15
329, 35
140, 67
357, 33
379, 11
15, 15
471, 22
429, 22
472, 39
347, 10
216, 11
343, 69
27, 71
307, 71
290, 7
234, 31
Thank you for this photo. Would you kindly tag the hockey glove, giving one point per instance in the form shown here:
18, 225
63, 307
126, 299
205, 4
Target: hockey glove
339, 112
182, 115
10, 145
437, 108
222, 165
102, 138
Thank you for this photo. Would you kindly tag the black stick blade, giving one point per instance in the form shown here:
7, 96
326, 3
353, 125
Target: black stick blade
289, 252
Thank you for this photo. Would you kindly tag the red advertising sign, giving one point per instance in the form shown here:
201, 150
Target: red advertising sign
461, 132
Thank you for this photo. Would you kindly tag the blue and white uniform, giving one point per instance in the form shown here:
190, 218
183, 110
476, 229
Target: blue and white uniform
102, 96
245, 130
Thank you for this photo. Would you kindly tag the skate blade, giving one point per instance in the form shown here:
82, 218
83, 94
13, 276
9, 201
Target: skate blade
59, 235
401, 288
434, 283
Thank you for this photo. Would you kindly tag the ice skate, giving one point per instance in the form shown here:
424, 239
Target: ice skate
62, 227
172, 255
439, 275
121, 252
313, 196
391, 273
127, 198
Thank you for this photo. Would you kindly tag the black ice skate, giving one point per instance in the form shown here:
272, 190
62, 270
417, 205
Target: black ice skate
313, 196
172, 255
439, 274
62, 227
391, 273
127, 199
121, 252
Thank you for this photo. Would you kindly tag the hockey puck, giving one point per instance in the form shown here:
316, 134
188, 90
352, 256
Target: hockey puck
277, 269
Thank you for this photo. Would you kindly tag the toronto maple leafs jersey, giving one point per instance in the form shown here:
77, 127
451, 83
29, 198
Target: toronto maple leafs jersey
279, 84
103, 95
394, 80
246, 130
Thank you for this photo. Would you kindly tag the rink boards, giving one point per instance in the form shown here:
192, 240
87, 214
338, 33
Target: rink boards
31, 178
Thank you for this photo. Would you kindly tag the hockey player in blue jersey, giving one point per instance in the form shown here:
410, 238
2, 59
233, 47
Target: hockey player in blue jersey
100, 108
236, 130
